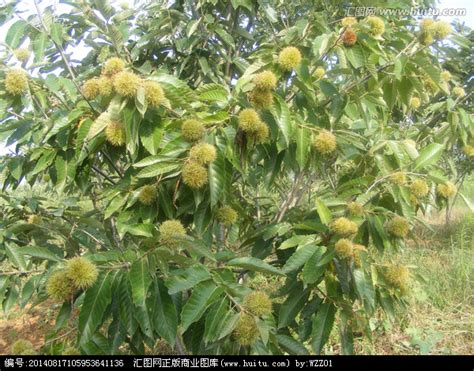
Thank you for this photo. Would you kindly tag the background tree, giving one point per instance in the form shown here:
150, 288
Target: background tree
198, 145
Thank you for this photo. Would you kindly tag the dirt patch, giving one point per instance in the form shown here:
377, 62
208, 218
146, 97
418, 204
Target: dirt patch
28, 323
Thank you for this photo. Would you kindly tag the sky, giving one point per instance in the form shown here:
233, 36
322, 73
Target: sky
27, 6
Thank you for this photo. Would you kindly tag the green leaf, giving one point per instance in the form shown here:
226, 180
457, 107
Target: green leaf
98, 125
327, 88
158, 169
150, 137
60, 165
264, 330
254, 264
226, 37
126, 308
140, 280
405, 88
215, 319
467, 201
151, 160
302, 146
313, 269
217, 173
323, 212
429, 155
28, 289
63, 315
15, 256
365, 290
186, 279
299, 257
115, 204
57, 33
346, 335
140, 102
322, 326
192, 27
40, 252
213, 93
292, 305
39, 46
15, 34
228, 324
295, 241
96, 301
355, 55
197, 247
138, 229
196, 305
292, 346
244, 3
165, 318
176, 90
282, 116
320, 45
46, 159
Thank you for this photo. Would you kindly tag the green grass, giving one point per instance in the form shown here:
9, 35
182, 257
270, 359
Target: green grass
440, 316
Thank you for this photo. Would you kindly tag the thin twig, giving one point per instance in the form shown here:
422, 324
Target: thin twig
63, 55
98, 171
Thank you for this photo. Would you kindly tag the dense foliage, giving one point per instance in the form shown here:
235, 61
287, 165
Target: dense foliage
200, 148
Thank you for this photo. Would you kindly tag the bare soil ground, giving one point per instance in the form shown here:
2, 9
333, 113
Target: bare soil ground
29, 323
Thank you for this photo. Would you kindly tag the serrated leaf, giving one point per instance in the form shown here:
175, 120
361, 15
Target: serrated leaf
57, 33
213, 93
215, 319
322, 326
292, 346
226, 37
197, 303
165, 317
39, 252
228, 324
429, 155
115, 204
197, 247
299, 257
15, 256
302, 146
150, 136
313, 269
356, 57
323, 211
63, 315
98, 125
282, 117
140, 280
46, 160
216, 176
186, 279
295, 241
176, 90
15, 34
254, 264
60, 165
365, 290
96, 300
292, 306
158, 169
